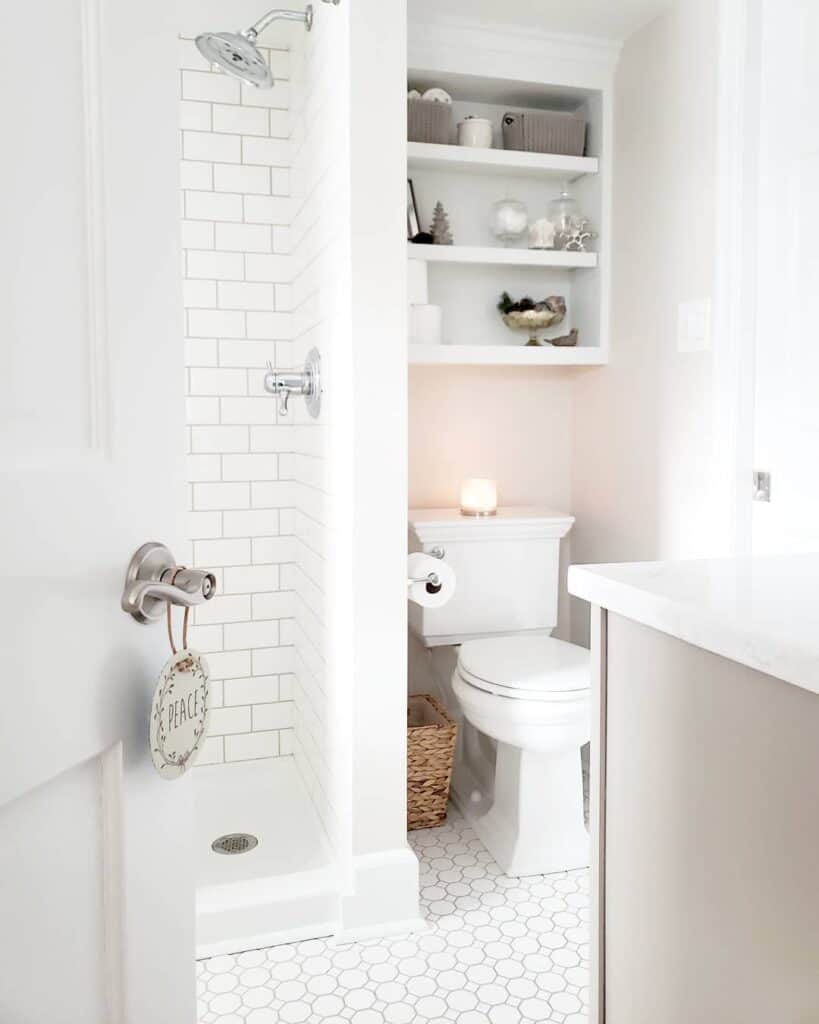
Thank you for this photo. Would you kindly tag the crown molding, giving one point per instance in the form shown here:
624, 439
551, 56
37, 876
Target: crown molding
447, 41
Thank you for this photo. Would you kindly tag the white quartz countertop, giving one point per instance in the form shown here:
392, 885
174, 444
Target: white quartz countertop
759, 612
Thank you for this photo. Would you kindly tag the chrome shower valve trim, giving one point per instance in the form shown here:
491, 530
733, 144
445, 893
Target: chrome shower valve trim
307, 383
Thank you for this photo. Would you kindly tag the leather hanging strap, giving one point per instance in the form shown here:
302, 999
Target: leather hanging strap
169, 619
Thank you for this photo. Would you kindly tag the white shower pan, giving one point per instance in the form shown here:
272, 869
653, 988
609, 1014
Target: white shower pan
283, 889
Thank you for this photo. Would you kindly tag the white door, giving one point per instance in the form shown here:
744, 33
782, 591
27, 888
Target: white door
96, 891
786, 440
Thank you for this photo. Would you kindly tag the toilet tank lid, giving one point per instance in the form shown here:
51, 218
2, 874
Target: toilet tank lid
526, 663
438, 524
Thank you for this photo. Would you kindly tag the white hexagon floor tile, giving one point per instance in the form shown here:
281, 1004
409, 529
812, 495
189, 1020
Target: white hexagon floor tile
499, 951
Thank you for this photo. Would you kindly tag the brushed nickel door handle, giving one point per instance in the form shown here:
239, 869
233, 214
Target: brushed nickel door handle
147, 589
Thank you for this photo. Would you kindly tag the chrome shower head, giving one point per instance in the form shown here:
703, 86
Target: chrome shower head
236, 52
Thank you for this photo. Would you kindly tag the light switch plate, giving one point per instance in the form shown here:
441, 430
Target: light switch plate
694, 326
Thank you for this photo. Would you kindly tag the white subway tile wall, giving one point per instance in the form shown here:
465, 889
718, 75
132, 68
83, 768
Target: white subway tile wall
319, 300
235, 177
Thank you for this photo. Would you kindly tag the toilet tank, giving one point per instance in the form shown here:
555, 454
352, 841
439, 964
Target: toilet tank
506, 567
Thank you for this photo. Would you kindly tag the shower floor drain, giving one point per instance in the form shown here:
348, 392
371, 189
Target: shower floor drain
234, 842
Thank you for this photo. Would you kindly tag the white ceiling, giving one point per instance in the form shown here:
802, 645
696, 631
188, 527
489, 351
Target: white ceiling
609, 19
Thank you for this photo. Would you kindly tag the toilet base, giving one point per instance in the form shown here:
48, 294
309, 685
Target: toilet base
535, 825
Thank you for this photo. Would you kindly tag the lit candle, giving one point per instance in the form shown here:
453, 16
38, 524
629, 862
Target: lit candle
479, 498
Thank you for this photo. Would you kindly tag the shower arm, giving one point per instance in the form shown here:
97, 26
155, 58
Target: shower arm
305, 16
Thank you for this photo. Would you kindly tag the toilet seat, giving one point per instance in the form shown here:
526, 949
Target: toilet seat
531, 668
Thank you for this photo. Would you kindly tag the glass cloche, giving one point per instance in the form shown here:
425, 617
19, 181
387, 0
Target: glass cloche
562, 212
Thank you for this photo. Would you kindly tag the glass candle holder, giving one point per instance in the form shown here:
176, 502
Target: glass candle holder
479, 498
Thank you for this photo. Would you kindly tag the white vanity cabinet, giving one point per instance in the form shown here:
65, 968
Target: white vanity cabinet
706, 791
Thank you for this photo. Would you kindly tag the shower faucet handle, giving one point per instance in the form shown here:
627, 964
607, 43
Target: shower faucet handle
283, 385
306, 383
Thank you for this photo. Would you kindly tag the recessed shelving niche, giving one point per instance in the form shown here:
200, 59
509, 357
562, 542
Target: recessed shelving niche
467, 278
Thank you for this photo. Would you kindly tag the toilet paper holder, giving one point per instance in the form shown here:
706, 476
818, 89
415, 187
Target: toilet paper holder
432, 581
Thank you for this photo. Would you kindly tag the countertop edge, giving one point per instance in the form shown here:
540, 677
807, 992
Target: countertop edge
766, 654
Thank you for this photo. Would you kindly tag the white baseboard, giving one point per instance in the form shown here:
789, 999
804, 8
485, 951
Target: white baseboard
382, 898
265, 915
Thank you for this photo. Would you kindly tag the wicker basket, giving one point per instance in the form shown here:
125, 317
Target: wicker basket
428, 121
545, 131
430, 750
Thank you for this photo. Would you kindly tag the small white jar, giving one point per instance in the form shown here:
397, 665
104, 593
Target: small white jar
542, 234
475, 131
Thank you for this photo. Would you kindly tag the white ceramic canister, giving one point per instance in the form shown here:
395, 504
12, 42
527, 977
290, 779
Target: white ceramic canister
475, 131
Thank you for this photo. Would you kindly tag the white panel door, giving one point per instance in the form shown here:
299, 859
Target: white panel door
787, 370
96, 892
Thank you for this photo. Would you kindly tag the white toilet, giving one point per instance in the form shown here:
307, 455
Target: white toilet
518, 776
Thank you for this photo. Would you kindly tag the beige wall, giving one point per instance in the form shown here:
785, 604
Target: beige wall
507, 423
643, 456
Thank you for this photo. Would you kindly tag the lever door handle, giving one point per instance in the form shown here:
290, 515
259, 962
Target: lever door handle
154, 580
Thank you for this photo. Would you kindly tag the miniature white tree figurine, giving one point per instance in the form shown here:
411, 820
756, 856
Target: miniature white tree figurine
441, 235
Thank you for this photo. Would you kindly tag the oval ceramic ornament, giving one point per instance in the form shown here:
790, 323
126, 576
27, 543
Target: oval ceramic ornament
179, 713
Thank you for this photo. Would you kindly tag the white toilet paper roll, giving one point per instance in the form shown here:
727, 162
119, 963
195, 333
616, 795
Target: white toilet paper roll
419, 566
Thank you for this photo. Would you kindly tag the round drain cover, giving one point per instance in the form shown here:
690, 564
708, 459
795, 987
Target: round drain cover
235, 842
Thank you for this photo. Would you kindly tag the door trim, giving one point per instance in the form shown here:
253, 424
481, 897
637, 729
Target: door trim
736, 273
91, 35
113, 894
597, 822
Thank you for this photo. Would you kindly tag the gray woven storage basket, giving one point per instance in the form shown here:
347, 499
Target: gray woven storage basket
545, 131
430, 751
428, 121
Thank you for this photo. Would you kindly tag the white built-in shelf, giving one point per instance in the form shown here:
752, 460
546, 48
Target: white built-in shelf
505, 162
505, 355
494, 255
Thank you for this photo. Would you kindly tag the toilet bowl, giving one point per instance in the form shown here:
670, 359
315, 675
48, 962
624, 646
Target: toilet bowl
522, 697
530, 694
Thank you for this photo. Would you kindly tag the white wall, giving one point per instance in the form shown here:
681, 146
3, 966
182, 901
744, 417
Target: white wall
349, 467
644, 450
321, 275
384, 876
787, 355
236, 210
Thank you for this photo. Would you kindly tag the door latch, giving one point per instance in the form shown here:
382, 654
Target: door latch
762, 485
